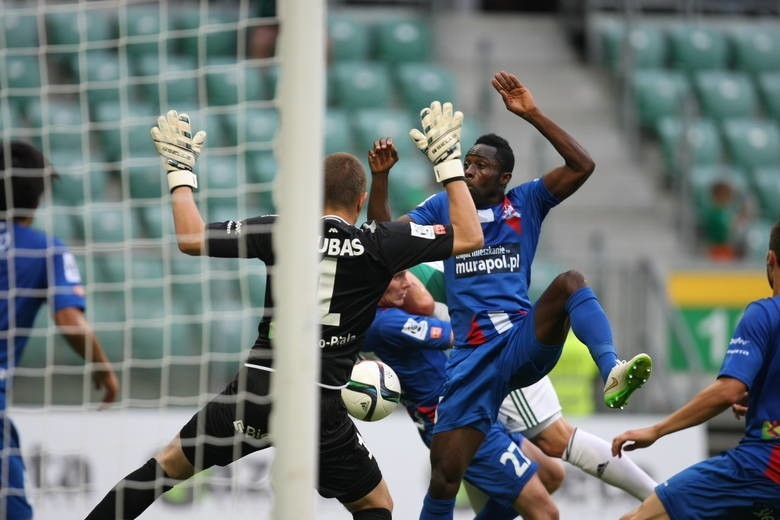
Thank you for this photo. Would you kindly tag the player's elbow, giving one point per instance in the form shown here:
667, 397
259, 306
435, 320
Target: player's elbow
466, 245
731, 390
190, 247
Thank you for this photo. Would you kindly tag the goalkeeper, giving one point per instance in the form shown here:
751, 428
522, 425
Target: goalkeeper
358, 262
37, 269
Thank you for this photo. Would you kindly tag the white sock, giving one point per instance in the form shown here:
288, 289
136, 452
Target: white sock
593, 455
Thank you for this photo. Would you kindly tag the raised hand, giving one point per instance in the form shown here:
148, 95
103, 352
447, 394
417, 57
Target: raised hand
439, 140
517, 98
382, 156
178, 148
641, 438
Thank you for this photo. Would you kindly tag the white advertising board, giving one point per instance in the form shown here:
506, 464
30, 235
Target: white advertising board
74, 457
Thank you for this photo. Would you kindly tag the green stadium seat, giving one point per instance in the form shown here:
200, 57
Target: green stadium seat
105, 225
176, 77
338, 134
725, 94
145, 179
372, 123
646, 43
403, 40
752, 143
766, 185
698, 47
698, 144
142, 28
155, 222
217, 30
220, 182
422, 83
768, 84
64, 28
756, 48
20, 30
259, 125
658, 93
348, 39
412, 183
100, 74
229, 83
78, 183
362, 84
22, 70
261, 168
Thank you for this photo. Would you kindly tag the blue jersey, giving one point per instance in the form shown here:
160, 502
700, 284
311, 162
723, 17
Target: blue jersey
34, 269
487, 289
414, 347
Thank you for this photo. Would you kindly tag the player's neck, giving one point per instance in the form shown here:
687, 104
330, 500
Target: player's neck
350, 216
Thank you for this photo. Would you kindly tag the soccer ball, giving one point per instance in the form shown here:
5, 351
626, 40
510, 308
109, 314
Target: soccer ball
373, 391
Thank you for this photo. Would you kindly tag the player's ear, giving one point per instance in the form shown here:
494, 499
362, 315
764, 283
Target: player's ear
362, 201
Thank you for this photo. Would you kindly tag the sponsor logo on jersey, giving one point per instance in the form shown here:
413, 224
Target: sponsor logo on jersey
341, 247
738, 352
337, 341
234, 227
770, 430
439, 229
504, 258
251, 432
436, 332
739, 341
415, 329
422, 231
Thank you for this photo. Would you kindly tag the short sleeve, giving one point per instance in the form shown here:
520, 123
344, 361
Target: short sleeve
747, 348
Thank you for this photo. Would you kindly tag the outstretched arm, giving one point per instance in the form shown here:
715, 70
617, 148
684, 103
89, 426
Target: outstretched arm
705, 405
179, 149
578, 165
381, 158
73, 325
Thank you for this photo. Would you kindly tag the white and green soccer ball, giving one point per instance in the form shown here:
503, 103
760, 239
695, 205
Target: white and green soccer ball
373, 391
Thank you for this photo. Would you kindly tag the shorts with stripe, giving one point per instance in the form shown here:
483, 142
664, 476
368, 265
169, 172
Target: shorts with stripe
532, 409
478, 378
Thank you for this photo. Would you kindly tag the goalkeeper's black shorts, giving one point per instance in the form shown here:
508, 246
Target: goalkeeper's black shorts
235, 424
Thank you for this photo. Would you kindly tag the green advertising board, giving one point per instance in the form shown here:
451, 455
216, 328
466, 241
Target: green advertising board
709, 305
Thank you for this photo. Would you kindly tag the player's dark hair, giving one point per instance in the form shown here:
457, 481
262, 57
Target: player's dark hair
504, 154
345, 180
23, 174
774, 239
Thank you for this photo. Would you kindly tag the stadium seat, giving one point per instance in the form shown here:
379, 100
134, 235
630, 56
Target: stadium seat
338, 134
756, 48
173, 82
229, 83
698, 144
411, 184
78, 182
63, 26
348, 39
217, 30
220, 184
20, 30
766, 185
22, 70
251, 125
145, 178
697, 47
752, 143
105, 225
422, 83
108, 266
363, 84
372, 123
725, 94
768, 84
646, 43
658, 93
260, 166
142, 28
403, 40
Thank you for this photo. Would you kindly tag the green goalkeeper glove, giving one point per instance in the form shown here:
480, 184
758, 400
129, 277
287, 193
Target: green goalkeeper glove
440, 140
178, 148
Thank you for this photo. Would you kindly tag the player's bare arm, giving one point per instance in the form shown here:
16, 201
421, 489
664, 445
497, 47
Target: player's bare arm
381, 158
705, 405
74, 326
578, 165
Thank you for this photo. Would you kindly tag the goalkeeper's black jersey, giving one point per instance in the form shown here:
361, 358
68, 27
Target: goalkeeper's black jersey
355, 268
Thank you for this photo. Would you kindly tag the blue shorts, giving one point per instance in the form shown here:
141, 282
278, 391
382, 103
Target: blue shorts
720, 487
499, 469
478, 378
15, 505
